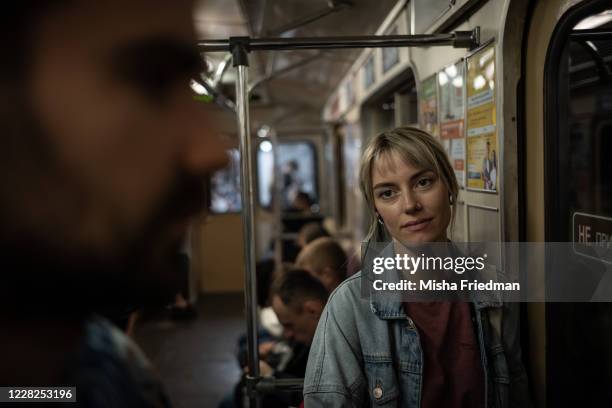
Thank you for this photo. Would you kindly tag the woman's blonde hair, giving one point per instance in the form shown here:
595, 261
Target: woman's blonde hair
416, 147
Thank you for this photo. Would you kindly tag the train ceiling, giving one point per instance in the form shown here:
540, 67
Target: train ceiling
295, 96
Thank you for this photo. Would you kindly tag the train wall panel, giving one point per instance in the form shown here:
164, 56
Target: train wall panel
221, 251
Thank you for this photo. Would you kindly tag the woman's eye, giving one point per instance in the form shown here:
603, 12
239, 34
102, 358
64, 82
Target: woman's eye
424, 182
385, 194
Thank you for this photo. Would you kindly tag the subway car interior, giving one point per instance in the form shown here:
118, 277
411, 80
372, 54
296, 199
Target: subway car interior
209, 243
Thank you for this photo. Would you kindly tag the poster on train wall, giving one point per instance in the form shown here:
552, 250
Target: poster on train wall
428, 104
482, 151
451, 82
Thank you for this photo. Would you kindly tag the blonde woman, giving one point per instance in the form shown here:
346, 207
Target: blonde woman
386, 352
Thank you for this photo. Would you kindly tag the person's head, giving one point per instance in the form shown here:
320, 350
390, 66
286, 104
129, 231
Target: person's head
298, 300
301, 202
309, 232
103, 145
409, 186
325, 259
291, 166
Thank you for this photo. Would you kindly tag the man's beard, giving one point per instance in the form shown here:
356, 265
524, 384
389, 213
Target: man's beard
37, 278
40, 275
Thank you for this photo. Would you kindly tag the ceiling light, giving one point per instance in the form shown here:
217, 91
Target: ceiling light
442, 78
265, 146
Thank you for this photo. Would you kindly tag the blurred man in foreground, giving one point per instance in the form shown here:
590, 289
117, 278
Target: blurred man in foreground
103, 150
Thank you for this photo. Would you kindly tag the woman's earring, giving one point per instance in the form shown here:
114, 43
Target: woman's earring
380, 221
450, 198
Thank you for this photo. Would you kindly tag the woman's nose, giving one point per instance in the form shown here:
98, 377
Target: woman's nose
410, 203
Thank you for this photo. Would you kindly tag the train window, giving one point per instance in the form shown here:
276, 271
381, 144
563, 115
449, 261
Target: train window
390, 55
582, 122
578, 138
225, 187
368, 73
265, 173
298, 172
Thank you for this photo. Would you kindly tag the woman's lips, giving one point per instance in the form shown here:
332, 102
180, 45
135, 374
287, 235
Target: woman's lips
417, 225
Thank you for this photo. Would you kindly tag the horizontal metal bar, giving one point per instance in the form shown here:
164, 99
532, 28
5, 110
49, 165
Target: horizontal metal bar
591, 35
270, 384
462, 39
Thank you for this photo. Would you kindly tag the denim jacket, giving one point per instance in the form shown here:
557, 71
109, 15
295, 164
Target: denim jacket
366, 352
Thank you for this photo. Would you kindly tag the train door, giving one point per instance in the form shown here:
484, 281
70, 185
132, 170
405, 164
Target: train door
288, 178
566, 174
577, 174
568, 106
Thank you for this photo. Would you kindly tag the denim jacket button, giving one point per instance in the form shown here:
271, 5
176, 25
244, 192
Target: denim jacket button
378, 392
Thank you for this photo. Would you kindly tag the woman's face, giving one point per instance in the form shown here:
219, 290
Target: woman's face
413, 202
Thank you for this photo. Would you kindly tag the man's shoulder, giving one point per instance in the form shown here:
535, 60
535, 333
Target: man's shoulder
108, 368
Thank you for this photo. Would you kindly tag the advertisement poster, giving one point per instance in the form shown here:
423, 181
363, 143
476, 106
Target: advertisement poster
429, 105
451, 81
482, 151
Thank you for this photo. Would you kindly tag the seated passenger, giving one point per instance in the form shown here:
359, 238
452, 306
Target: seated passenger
325, 259
408, 354
298, 300
103, 150
302, 203
310, 232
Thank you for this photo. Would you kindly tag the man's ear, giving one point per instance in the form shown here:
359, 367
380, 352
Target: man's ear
313, 307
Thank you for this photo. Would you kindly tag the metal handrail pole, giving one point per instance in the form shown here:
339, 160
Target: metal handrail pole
248, 217
459, 39
277, 200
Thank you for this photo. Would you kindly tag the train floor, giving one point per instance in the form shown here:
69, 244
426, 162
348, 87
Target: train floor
196, 359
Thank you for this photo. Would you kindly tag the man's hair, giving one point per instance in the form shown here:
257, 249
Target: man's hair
324, 253
312, 231
296, 286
